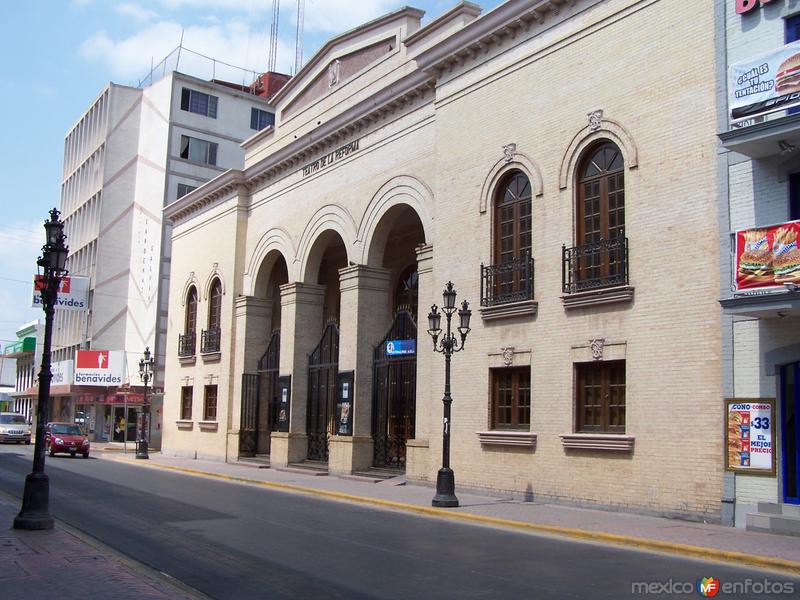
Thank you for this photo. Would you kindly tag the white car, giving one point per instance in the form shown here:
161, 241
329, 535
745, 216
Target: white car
14, 428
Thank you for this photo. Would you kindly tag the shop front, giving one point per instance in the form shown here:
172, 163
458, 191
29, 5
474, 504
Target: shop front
790, 431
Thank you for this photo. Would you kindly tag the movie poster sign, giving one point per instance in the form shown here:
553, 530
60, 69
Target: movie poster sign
765, 84
99, 367
767, 256
73, 293
750, 435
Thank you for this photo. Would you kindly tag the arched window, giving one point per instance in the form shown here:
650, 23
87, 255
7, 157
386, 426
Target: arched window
406, 294
190, 326
513, 218
509, 278
210, 338
215, 305
601, 195
600, 219
186, 340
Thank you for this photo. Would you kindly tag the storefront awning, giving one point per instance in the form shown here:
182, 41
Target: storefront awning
21, 348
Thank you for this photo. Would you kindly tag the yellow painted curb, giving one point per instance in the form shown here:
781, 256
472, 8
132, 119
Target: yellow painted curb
766, 562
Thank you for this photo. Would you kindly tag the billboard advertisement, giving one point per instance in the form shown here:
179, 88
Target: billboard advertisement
750, 435
767, 256
764, 84
99, 367
73, 293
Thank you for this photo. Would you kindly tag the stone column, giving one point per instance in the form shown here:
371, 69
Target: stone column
301, 328
253, 316
419, 464
365, 317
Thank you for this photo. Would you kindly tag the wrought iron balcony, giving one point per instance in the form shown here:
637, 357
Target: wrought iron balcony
186, 344
209, 340
595, 266
507, 282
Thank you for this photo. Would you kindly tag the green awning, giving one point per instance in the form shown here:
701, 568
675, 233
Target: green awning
24, 345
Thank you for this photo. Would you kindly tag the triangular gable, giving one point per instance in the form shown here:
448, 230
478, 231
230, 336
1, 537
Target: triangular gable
344, 56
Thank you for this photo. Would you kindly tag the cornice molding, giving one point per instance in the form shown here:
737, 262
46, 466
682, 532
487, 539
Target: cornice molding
476, 38
221, 186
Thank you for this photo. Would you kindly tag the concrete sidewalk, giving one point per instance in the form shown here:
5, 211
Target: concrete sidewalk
697, 540
61, 563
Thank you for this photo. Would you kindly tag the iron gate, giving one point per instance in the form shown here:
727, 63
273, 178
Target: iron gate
323, 366
394, 393
260, 402
247, 430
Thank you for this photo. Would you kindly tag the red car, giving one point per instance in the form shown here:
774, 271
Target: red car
66, 437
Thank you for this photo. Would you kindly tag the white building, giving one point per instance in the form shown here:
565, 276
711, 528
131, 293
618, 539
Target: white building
760, 202
26, 354
132, 152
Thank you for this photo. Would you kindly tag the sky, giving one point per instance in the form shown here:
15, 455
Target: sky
59, 54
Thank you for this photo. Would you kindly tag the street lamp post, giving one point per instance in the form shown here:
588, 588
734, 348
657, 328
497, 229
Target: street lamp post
445, 479
143, 419
35, 512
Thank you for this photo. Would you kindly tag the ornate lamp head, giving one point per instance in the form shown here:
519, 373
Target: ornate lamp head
464, 316
449, 297
54, 252
434, 322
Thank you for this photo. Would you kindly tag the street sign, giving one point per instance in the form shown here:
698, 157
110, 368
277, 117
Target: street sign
401, 347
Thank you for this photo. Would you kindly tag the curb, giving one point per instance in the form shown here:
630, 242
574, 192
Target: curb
788, 567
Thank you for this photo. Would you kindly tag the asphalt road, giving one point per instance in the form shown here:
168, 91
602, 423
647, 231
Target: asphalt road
232, 541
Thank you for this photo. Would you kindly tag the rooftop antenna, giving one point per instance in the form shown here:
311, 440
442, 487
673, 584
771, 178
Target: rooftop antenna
273, 35
180, 47
298, 47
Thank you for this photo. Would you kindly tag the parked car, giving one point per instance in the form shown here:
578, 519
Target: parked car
14, 428
66, 437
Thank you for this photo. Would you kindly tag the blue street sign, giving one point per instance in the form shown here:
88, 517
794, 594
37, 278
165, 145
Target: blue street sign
401, 347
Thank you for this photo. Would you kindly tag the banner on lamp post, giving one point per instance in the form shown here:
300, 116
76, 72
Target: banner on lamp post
73, 293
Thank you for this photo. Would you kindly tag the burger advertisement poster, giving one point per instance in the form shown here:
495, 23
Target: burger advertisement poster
765, 84
767, 256
99, 367
750, 435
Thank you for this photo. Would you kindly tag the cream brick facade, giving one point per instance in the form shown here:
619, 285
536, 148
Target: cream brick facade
434, 118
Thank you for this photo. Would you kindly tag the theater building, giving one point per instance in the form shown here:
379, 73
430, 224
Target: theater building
555, 161
759, 132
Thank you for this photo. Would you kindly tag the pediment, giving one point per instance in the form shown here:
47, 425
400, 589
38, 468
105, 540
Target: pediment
337, 70
344, 56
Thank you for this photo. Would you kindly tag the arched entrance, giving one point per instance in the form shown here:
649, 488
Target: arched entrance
259, 390
394, 368
394, 392
327, 256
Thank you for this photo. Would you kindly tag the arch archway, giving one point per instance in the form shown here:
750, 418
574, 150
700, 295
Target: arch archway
392, 247
399, 191
260, 400
325, 257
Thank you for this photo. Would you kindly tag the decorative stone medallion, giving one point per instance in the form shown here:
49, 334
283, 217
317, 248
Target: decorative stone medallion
508, 356
509, 150
597, 348
333, 73
595, 119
